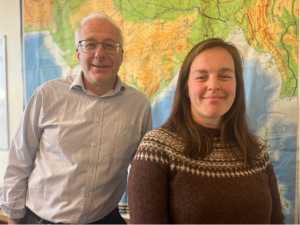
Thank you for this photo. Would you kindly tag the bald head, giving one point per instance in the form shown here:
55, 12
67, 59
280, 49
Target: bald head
99, 15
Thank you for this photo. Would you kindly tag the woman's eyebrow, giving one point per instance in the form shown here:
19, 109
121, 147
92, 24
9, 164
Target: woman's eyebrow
201, 71
226, 69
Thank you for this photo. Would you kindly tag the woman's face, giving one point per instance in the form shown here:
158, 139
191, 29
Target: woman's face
211, 86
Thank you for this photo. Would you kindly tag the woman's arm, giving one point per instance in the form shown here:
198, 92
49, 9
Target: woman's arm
277, 215
148, 187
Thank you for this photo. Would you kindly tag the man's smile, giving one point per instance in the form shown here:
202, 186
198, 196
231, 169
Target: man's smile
100, 66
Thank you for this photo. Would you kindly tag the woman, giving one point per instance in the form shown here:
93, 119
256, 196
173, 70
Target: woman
204, 165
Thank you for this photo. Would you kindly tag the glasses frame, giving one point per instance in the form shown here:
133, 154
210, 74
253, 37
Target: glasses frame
119, 47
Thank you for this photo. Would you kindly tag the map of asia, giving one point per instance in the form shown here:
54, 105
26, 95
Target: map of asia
157, 36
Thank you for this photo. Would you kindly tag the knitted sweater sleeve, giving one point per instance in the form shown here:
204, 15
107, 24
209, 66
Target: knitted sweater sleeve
148, 185
277, 216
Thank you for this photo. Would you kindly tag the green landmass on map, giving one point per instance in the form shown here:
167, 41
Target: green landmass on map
215, 20
154, 27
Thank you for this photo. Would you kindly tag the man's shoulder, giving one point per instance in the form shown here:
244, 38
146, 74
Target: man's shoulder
57, 83
130, 89
136, 94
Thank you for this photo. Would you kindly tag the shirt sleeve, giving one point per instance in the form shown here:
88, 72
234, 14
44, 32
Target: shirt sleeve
277, 216
147, 123
146, 126
21, 157
148, 187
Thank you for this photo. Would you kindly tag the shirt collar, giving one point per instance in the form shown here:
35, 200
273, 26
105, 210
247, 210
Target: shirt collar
119, 87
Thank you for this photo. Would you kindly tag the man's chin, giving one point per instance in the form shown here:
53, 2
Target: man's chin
102, 77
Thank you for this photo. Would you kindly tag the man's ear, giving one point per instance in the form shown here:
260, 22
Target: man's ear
78, 53
122, 54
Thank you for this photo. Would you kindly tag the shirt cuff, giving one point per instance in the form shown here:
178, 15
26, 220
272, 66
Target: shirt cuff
14, 209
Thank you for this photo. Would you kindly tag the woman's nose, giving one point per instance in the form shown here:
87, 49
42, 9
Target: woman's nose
213, 83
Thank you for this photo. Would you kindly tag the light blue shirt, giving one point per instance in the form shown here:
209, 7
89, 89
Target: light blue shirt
68, 160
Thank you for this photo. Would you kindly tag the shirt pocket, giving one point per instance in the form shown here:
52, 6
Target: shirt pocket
126, 138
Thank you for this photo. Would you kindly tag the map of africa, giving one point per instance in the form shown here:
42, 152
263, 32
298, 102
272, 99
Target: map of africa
157, 36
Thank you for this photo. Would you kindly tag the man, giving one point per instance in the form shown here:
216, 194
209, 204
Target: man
68, 160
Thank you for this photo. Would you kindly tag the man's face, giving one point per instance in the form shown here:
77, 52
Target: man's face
99, 68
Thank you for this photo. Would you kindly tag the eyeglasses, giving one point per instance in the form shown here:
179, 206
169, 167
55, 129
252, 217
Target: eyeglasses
110, 47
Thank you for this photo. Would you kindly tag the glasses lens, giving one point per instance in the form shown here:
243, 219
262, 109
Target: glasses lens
111, 47
89, 46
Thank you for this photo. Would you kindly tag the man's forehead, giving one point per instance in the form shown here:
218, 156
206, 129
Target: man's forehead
99, 26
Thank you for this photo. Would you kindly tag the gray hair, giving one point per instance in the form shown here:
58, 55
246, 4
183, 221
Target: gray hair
99, 15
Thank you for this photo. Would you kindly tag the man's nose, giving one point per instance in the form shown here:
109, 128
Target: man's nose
100, 52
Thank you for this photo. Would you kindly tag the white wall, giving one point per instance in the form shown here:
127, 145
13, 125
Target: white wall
10, 25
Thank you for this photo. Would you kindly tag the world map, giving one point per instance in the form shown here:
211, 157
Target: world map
158, 35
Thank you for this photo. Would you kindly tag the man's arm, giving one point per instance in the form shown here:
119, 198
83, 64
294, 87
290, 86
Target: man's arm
13, 221
147, 122
146, 126
22, 153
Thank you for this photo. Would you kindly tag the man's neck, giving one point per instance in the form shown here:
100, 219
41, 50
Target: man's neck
99, 90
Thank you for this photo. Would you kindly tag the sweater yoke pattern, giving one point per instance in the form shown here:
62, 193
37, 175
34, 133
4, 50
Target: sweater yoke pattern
164, 147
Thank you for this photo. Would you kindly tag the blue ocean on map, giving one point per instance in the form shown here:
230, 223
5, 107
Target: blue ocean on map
260, 88
162, 108
40, 65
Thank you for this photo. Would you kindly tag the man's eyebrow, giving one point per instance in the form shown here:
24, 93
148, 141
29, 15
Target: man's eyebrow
94, 39
90, 39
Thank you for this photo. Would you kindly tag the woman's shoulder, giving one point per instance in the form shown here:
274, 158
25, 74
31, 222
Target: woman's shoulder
162, 138
162, 133
262, 151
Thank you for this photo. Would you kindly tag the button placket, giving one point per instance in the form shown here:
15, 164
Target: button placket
94, 153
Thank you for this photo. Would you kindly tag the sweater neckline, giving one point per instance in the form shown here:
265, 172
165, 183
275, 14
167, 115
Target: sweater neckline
214, 132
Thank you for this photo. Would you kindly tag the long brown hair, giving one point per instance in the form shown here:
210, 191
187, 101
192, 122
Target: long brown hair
234, 131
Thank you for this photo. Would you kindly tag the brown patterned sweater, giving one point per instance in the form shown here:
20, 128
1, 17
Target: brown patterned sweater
166, 186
